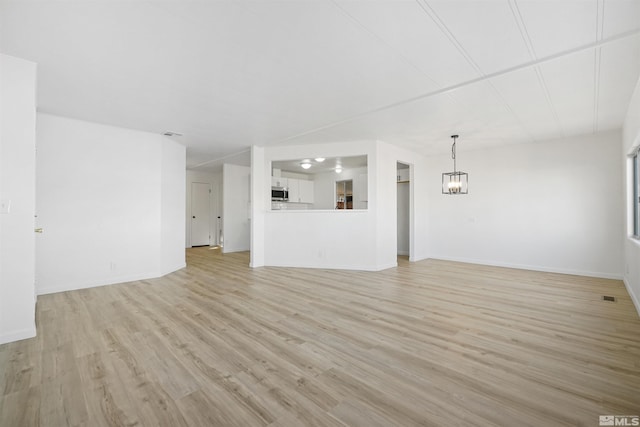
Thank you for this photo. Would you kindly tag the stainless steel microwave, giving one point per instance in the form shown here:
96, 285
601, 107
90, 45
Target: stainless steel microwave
279, 194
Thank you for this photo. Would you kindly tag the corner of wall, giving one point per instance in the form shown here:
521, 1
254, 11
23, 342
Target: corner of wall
17, 184
631, 137
634, 297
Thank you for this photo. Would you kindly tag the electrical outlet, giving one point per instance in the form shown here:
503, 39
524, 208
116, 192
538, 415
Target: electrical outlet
5, 206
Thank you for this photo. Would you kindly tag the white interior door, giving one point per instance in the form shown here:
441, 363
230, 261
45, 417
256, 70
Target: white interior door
200, 214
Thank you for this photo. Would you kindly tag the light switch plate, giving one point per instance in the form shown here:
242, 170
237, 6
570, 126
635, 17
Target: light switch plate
5, 206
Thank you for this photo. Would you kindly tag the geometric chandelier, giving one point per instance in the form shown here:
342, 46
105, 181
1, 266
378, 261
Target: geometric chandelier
455, 182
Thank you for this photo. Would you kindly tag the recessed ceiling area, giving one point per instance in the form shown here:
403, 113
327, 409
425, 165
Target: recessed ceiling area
327, 165
231, 74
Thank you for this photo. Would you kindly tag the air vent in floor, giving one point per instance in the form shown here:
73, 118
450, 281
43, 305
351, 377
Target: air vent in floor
609, 298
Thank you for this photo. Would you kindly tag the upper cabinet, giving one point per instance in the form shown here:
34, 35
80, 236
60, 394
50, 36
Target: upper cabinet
277, 181
300, 190
305, 191
294, 190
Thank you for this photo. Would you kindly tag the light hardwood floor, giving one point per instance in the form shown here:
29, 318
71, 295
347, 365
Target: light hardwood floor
427, 343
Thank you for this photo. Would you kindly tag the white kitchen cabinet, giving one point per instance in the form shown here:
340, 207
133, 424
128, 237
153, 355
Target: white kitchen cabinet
294, 190
300, 190
277, 181
305, 191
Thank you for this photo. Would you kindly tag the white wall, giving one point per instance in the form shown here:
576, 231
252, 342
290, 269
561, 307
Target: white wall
111, 202
215, 181
309, 238
551, 206
260, 202
631, 140
172, 207
236, 223
17, 185
348, 239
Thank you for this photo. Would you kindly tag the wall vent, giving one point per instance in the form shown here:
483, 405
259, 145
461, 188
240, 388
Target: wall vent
169, 133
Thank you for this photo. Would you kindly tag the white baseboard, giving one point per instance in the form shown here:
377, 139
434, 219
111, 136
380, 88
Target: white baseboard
108, 281
533, 267
634, 297
336, 267
22, 334
228, 249
174, 268
418, 258
96, 283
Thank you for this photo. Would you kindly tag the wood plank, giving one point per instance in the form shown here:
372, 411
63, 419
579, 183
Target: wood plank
426, 343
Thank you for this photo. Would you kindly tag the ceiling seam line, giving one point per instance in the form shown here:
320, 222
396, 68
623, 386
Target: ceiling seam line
547, 95
524, 33
447, 32
599, 19
597, 62
522, 27
377, 37
510, 109
530, 64
407, 60
237, 153
515, 11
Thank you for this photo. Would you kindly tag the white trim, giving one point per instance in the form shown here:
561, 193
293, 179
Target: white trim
109, 281
379, 267
174, 268
229, 250
634, 297
94, 284
22, 334
419, 258
597, 274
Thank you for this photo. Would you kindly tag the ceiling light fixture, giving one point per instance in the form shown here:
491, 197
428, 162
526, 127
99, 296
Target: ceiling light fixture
338, 169
305, 165
319, 159
455, 182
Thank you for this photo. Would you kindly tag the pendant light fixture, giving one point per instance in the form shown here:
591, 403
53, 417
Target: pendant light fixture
455, 182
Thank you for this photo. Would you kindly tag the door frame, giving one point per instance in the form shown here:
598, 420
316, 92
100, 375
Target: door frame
411, 210
193, 199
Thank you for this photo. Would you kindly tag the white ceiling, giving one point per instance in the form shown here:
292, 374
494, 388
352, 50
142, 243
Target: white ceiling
230, 74
327, 165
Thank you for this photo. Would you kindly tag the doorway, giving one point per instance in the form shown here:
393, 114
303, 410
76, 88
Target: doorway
200, 214
403, 207
344, 194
